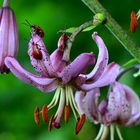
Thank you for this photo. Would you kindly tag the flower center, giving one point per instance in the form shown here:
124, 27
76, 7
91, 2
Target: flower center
64, 97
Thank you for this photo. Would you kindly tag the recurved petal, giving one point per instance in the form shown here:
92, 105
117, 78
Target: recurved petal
119, 109
79, 96
102, 60
78, 66
134, 120
133, 99
56, 60
109, 76
40, 82
39, 56
90, 105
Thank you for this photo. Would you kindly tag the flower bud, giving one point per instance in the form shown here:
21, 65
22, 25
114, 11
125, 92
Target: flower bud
8, 34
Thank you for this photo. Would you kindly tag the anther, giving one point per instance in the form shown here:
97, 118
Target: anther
79, 124
66, 113
45, 113
50, 125
36, 116
133, 22
56, 125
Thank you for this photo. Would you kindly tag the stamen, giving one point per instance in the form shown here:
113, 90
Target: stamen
45, 113
70, 101
105, 133
60, 109
73, 101
66, 113
100, 133
79, 124
50, 125
112, 132
55, 99
36, 116
119, 133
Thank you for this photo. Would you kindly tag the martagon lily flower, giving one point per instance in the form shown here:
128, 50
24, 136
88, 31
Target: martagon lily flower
66, 78
122, 107
8, 35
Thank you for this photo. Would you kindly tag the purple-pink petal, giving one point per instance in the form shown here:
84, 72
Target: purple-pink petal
78, 66
90, 105
133, 99
118, 109
79, 96
8, 35
102, 60
134, 120
40, 82
109, 76
43, 65
56, 60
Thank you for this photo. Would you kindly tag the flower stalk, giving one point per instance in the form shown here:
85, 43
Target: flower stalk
114, 28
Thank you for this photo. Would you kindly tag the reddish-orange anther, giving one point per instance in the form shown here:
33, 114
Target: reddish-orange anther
36, 116
50, 125
66, 113
45, 113
79, 124
133, 22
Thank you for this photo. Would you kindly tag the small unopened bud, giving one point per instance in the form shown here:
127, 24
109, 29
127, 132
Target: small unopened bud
8, 34
36, 116
98, 19
79, 124
62, 42
45, 113
66, 113
50, 125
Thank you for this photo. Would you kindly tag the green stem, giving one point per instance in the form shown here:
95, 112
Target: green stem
114, 28
72, 38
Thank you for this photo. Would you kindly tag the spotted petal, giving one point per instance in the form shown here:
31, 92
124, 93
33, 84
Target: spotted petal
79, 65
119, 109
108, 77
134, 102
41, 83
79, 96
102, 60
43, 64
90, 105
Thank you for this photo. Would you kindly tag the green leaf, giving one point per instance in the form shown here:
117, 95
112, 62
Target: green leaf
130, 63
97, 20
89, 28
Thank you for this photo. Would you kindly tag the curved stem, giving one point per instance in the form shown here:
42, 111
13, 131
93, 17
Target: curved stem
123, 71
72, 38
114, 28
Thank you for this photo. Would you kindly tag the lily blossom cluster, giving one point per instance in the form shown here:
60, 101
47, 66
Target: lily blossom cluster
8, 35
65, 77
121, 107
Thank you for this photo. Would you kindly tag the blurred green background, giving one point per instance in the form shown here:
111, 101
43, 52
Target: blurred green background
18, 100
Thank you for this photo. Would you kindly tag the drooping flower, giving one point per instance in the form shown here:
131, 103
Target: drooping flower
8, 35
64, 76
122, 107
